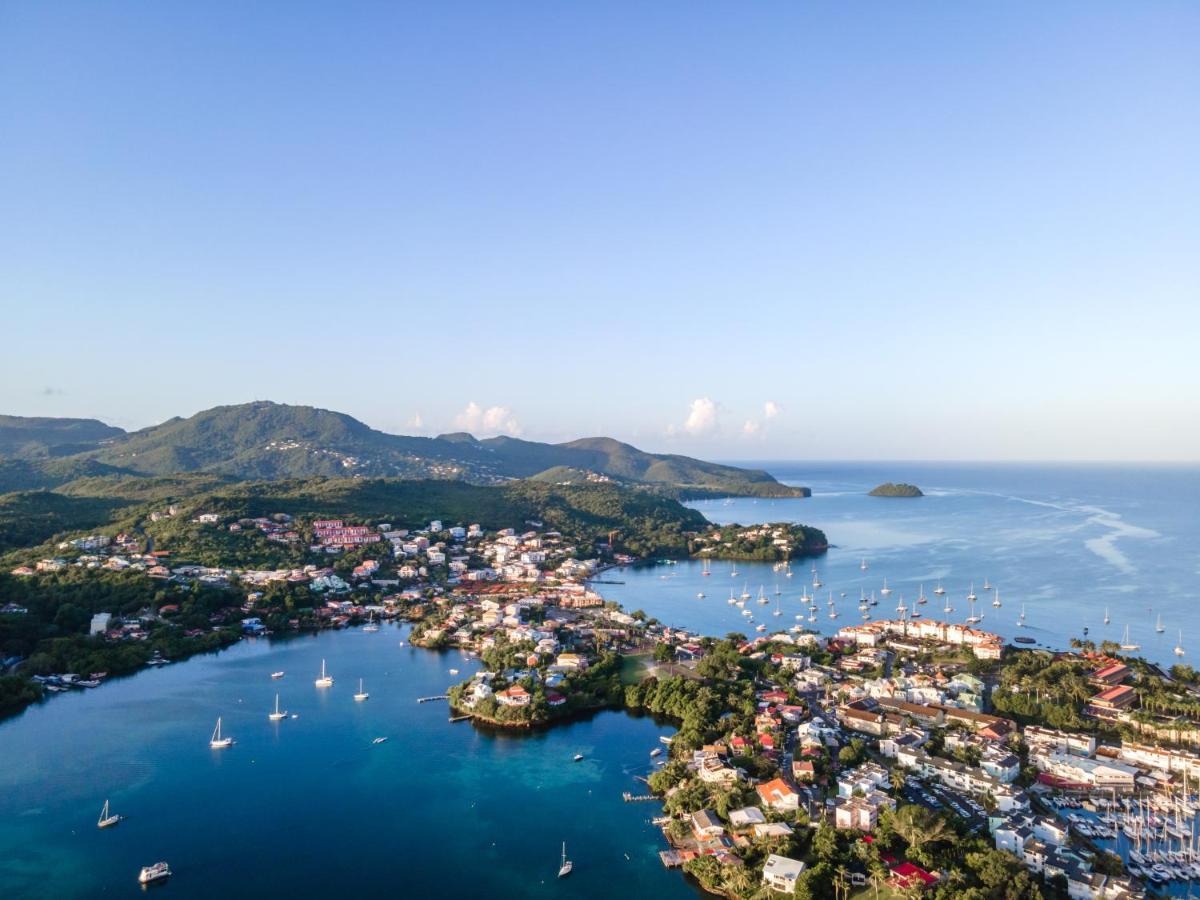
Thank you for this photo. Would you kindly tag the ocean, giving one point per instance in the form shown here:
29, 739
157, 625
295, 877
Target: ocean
1063, 542
311, 807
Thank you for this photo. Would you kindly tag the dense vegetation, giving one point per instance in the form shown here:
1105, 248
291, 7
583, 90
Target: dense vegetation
893, 489
274, 441
759, 542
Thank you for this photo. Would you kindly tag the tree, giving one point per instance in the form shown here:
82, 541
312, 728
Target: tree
919, 828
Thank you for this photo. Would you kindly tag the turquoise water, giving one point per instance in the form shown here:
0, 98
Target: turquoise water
1065, 541
309, 806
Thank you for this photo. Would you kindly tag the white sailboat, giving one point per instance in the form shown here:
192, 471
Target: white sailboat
732, 599
107, 819
973, 619
1021, 618
326, 680
565, 867
1179, 646
885, 590
939, 590
1159, 626
947, 609
762, 596
1127, 643
704, 568
746, 592
1106, 618
996, 599
902, 607
278, 713
921, 598
971, 593
700, 595
217, 742
778, 610
361, 695
863, 565
987, 586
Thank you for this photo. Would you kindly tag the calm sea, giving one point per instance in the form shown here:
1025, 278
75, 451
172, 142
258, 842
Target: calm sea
1064, 542
310, 807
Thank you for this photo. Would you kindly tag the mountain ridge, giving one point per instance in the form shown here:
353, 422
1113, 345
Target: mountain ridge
263, 440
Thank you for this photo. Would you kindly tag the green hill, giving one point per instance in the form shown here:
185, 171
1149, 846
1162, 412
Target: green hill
22, 437
266, 441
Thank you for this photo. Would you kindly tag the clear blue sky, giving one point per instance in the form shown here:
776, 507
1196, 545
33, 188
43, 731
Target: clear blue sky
926, 230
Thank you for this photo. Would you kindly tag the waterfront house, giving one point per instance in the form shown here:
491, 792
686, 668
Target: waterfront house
706, 825
780, 873
513, 696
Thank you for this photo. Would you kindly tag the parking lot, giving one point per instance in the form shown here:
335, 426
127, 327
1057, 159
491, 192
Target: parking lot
936, 797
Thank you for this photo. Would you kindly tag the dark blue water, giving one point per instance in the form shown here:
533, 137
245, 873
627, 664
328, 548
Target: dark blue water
309, 806
1063, 541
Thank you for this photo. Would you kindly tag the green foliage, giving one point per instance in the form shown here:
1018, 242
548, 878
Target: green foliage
896, 489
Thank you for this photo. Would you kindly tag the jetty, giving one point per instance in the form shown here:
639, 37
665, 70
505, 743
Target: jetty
637, 798
431, 699
460, 718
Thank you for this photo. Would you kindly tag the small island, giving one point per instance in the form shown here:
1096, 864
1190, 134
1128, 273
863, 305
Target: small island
891, 489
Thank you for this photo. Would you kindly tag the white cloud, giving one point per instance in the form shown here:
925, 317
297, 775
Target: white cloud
490, 421
702, 417
758, 427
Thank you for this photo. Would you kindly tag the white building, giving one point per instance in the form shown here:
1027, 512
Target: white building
780, 873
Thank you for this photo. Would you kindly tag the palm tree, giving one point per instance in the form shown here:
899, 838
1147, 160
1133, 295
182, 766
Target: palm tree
919, 827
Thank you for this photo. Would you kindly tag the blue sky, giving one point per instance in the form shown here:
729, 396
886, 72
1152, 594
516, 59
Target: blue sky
925, 230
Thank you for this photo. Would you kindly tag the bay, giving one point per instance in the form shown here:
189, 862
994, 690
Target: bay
1065, 541
310, 806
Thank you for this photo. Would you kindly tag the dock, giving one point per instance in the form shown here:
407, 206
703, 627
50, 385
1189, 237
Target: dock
460, 718
431, 699
637, 798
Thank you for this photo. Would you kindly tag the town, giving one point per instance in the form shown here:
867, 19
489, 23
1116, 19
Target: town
895, 754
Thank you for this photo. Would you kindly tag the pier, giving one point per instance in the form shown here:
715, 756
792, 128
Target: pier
431, 699
637, 798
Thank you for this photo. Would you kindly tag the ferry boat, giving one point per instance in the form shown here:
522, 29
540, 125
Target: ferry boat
217, 742
276, 674
565, 867
107, 819
278, 713
326, 680
156, 872
361, 695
